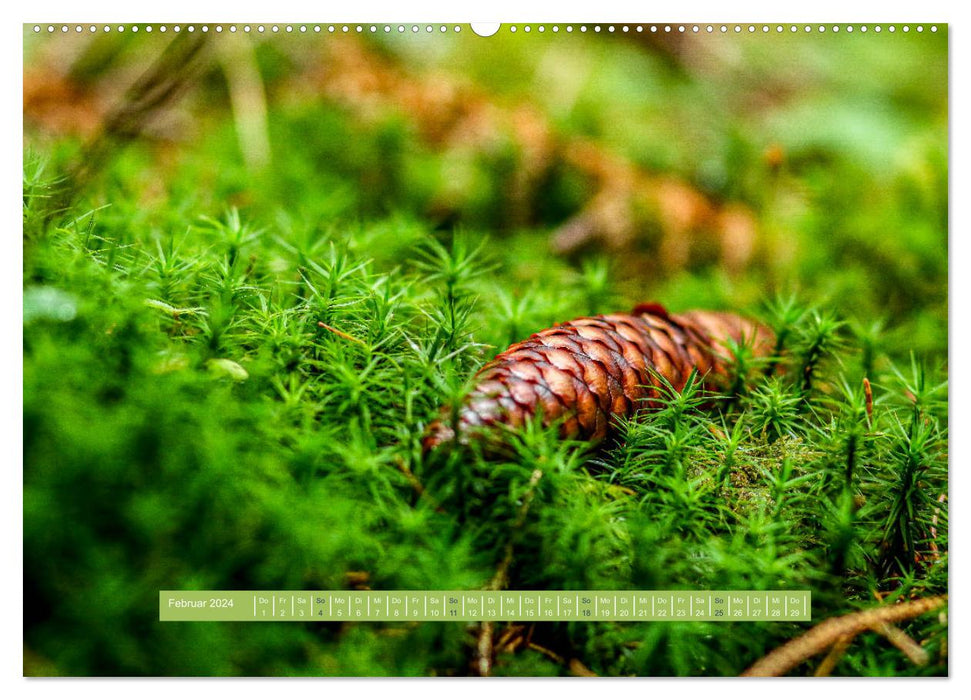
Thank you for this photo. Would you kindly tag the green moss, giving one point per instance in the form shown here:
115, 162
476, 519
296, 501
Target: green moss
188, 421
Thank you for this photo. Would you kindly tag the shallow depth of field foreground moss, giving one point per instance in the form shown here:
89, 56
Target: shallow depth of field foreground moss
236, 330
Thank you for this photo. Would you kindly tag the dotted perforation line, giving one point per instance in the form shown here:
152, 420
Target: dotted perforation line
720, 28
249, 28
442, 28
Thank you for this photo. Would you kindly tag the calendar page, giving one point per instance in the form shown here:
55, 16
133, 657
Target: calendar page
546, 349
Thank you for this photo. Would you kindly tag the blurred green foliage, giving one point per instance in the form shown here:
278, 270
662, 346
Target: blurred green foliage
188, 423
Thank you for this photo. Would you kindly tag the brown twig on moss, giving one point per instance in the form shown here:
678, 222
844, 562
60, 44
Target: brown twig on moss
900, 639
342, 334
835, 654
935, 551
548, 653
829, 632
577, 668
416, 484
500, 579
868, 396
167, 79
484, 647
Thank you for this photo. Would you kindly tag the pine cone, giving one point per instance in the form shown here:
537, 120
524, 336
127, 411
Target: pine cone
589, 371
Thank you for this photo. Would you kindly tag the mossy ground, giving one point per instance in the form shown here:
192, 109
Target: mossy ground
189, 423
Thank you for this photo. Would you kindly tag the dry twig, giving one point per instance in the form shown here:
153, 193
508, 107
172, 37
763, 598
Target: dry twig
900, 639
166, 80
484, 648
342, 334
578, 669
832, 658
829, 632
935, 552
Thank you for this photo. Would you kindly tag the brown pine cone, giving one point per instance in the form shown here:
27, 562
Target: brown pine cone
589, 371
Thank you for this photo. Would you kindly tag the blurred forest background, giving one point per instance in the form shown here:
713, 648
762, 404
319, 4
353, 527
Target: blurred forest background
194, 205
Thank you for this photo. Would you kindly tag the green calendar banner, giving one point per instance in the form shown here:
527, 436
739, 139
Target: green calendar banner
471, 606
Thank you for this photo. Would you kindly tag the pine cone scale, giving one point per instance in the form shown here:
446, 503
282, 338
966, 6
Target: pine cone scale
597, 334
524, 393
670, 344
565, 361
603, 386
664, 356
